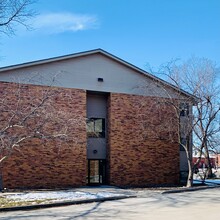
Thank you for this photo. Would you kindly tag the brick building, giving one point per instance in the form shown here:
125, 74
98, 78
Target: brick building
136, 143
203, 163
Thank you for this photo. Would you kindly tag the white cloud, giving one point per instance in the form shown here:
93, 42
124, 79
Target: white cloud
64, 22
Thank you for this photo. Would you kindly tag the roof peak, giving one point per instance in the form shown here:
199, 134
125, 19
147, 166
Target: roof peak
90, 52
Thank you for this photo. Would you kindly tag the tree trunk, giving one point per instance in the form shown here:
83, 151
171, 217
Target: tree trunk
190, 178
1, 184
209, 171
190, 174
209, 164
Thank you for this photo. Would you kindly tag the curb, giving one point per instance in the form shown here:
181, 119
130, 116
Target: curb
50, 205
190, 189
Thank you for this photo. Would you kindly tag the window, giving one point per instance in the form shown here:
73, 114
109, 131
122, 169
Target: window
184, 109
184, 142
95, 127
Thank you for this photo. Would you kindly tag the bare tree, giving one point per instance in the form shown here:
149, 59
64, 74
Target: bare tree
173, 123
198, 76
30, 113
15, 12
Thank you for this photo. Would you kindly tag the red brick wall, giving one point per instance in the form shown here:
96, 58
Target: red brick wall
217, 160
203, 163
142, 147
49, 165
142, 141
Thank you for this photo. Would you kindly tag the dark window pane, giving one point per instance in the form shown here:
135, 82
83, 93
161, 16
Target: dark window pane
90, 126
95, 127
98, 125
184, 109
184, 143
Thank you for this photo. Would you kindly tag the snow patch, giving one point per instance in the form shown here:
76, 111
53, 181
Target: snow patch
58, 195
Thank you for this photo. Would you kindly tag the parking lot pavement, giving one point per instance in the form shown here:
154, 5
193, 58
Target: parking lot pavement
203, 204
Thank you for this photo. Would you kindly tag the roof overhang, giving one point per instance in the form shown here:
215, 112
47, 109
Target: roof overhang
193, 98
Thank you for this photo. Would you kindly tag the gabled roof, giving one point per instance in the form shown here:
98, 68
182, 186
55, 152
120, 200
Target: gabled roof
105, 53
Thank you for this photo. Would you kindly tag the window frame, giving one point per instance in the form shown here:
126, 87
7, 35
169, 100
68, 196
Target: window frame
184, 109
185, 142
94, 133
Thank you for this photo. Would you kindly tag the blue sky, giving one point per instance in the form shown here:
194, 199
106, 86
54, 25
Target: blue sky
138, 31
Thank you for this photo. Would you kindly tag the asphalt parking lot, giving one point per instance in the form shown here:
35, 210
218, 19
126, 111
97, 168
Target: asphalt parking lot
204, 204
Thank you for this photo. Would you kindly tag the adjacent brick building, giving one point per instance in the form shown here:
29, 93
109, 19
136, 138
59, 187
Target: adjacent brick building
136, 132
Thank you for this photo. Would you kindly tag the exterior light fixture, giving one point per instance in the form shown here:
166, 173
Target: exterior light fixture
100, 80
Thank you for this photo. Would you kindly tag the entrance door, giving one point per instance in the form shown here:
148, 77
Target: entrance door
96, 172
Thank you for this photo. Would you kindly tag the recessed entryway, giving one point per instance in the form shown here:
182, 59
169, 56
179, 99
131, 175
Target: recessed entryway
96, 172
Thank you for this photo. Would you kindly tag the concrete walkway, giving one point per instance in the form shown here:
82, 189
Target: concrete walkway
99, 194
200, 205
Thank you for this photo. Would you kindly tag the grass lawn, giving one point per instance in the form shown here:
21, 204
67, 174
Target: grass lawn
5, 202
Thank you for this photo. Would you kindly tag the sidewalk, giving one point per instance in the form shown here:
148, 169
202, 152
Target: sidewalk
90, 194
101, 193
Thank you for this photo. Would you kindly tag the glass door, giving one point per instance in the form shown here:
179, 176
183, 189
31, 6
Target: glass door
96, 172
